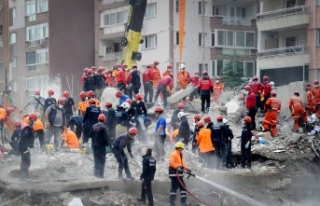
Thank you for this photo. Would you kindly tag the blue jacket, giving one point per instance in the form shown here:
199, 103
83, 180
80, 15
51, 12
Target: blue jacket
99, 80
184, 130
122, 117
75, 120
140, 108
161, 122
174, 117
26, 137
148, 167
16, 134
123, 99
122, 142
89, 84
48, 102
91, 116
219, 132
246, 135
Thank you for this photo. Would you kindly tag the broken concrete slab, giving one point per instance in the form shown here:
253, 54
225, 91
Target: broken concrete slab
178, 95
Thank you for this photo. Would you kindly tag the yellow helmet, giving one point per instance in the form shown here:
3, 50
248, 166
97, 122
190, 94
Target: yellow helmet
179, 145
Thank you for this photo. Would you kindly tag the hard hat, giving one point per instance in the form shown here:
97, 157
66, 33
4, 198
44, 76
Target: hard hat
255, 78
90, 93
17, 123
182, 66
93, 67
169, 66
149, 66
308, 84
33, 116
180, 105
118, 94
225, 121
125, 105
100, 69
296, 93
82, 94
155, 62
133, 130
134, 66
89, 71
37, 92
273, 92
207, 118
85, 69
124, 66
118, 64
101, 117
61, 101
10, 109
272, 83
219, 117
197, 117
129, 101
200, 124
265, 78
65, 94
138, 96
197, 72
247, 119
92, 101
218, 78
108, 104
205, 73
158, 109
179, 145
50, 92
316, 82
181, 114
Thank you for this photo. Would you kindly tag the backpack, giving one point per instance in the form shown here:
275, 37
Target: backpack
53, 114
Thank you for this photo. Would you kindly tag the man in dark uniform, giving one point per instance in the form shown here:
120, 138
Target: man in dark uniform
111, 121
49, 101
69, 105
15, 137
90, 118
76, 121
89, 82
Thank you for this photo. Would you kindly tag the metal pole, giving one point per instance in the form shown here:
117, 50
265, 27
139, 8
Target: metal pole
5, 36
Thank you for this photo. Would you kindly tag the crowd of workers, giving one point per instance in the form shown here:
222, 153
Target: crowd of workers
114, 129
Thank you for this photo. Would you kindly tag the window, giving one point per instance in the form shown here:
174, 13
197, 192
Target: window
12, 15
202, 8
249, 69
291, 41
30, 8
225, 38
150, 41
318, 2
240, 38
213, 68
318, 36
36, 32
202, 39
212, 38
37, 57
14, 62
13, 38
177, 6
115, 18
233, 38
34, 83
42, 6
220, 67
250, 41
1, 72
237, 12
202, 69
177, 38
151, 10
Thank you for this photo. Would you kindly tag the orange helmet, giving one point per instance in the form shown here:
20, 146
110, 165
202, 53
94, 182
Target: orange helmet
61, 101
207, 119
50, 92
155, 62
180, 105
89, 71
82, 94
100, 69
118, 94
17, 123
218, 78
308, 84
197, 72
101, 117
129, 101
247, 119
65, 94
134, 66
187, 98
200, 124
33, 116
108, 104
169, 66
124, 66
158, 109
133, 130
90, 93
219, 118
37, 92
197, 117
139, 96
92, 101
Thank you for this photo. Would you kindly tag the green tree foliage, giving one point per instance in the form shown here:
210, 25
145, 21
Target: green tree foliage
232, 72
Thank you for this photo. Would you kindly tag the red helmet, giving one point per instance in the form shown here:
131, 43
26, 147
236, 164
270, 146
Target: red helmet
139, 96
158, 109
149, 65
207, 118
50, 92
82, 94
85, 69
124, 66
129, 101
218, 78
90, 93
155, 62
205, 73
92, 101
180, 105
248, 88
61, 101
200, 124
197, 117
219, 118
133, 130
108, 104
247, 119
308, 84
255, 78
17, 123
316, 82
93, 68
265, 78
273, 93
33, 116
197, 72
101, 117
10, 109
100, 69
65, 94
169, 66
134, 66
89, 71
37, 92
118, 94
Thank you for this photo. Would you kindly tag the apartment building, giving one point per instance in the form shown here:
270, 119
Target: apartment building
38, 29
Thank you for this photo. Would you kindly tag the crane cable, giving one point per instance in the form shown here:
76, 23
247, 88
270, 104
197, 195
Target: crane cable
192, 195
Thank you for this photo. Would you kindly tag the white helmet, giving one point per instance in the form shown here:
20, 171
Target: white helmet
225, 121
272, 83
125, 105
181, 114
182, 66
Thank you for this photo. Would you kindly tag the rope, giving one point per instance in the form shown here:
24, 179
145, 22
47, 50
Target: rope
189, 191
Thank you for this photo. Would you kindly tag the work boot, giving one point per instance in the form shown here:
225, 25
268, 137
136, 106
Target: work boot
130, 177
121, 178
140, 200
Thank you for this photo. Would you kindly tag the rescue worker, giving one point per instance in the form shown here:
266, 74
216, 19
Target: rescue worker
183, 77
121, 142
230, 162
175, 122
115, 72
311, 102
176, 167
141, 112
251, 106
100, 140
160, 133
55, 121
122, 118
69, 105
297, 110
205, 89
49, 101
257, 88
134, 81
220, 135
316, 94
168, 71
89, 81
76, 121
147, 78
15, 137
25, 143
109, 80
84, 75
246, 135
184, 129
195, 82
266, 92
70, 139
122, 97
90, 118
148, 171
111, 121
196, 118
162, 87
37, 102
99, 79
38, 129
209, 125
121, 81
83, 104
218, 88
131, 111
203, 139
156, 74
273, 106
90, 95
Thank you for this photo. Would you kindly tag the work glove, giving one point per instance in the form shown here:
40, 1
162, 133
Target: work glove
180, 169
131, 155
188, 171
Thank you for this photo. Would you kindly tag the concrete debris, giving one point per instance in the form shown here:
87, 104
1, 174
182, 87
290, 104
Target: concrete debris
286, 131
75, 202
66, 196
278, 184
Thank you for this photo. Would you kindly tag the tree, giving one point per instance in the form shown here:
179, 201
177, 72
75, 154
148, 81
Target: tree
232, 73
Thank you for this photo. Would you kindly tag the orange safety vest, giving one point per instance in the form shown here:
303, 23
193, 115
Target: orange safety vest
156, 76
37, 125
82, 107
3, 113
115, 74
166, 73
316, 93
183, 79
204, 140
217, 88
176, 160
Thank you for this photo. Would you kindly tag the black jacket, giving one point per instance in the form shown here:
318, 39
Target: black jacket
91, 116
75, 120
246, 135
140, 108
220, 132
184, 130
148, 167
16, 134
122, 142
135, 79
100, 135
89, 84
99, 80
230, 133
121, 117
26, 137
111, 118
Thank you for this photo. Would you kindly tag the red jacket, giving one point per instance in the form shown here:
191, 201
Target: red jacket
205, 84
167, 80
194, 80
110, 81
267, 89
256, 86
121, 77
251, 100
83, 77
147, 76
128, 80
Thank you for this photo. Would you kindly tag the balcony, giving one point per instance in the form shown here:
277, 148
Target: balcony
283, 51
283, 18
225, 22
116, 56
236, 21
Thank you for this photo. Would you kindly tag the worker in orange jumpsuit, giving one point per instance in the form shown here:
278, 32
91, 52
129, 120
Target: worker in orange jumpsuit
266, 92
297, 110
316, 93
218, 88
168, 71
183, 77
156, 74
273, 106
121, 80
115, 72
311, 103
203, 139
70, 139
